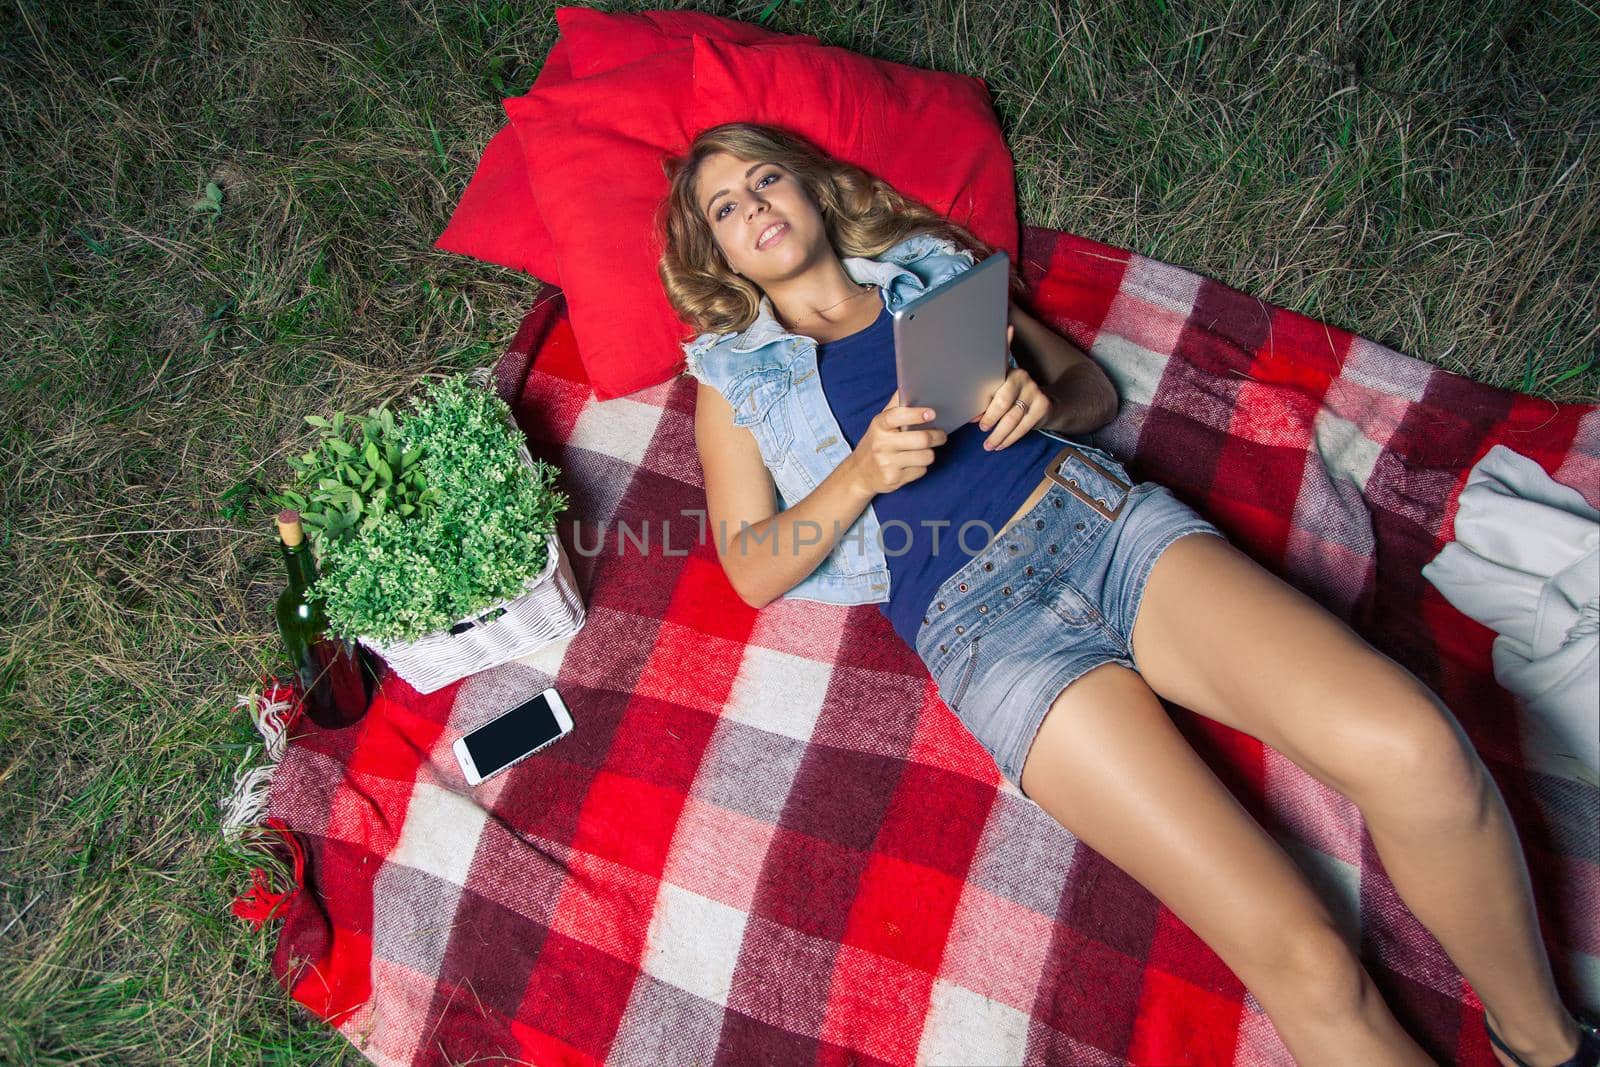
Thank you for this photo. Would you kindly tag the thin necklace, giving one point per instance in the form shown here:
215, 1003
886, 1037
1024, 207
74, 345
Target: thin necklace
830, 307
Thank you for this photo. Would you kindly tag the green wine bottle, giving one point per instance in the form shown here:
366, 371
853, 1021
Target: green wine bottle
337, 681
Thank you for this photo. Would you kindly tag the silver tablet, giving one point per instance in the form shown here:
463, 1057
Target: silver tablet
950, 343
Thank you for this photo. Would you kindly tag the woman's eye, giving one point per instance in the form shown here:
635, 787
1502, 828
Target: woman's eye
723, 210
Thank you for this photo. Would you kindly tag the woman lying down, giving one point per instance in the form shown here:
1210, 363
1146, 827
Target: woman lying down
1088, 597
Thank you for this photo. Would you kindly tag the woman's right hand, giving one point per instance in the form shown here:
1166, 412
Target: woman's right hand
889, 454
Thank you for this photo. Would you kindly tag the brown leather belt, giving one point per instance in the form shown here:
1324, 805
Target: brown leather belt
1070, 484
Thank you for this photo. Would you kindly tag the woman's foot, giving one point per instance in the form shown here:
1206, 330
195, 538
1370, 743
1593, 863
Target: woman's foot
1579, 1046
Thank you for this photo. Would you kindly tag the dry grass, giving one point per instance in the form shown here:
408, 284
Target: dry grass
1423, 174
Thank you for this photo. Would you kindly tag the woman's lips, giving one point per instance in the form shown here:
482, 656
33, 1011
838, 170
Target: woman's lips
775, 238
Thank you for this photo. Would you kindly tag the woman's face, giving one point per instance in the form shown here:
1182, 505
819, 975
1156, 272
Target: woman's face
742, 199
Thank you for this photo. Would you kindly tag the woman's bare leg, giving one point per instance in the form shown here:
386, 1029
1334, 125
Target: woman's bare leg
1110, 766
1228, 639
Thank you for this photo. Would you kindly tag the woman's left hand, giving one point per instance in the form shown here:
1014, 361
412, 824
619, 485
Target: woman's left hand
1004, 415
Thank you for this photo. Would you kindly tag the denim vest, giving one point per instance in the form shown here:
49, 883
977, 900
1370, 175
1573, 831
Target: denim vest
769, 378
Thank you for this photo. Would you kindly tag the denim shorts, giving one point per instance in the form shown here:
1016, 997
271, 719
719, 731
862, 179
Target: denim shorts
1050, 597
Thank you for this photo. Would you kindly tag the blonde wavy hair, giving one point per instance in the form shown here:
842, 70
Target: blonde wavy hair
862, 214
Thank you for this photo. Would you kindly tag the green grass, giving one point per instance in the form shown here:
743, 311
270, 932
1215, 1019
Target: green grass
1423, 174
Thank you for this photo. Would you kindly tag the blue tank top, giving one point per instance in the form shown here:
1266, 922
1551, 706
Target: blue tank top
963, 484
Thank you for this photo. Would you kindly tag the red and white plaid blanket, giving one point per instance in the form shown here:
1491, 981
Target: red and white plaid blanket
767, 841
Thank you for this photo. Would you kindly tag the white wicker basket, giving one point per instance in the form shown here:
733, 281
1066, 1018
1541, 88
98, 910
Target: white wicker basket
549, 608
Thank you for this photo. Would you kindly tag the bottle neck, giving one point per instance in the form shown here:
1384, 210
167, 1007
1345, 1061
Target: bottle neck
302, 568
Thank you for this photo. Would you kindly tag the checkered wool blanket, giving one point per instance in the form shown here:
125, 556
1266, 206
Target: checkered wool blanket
767, 841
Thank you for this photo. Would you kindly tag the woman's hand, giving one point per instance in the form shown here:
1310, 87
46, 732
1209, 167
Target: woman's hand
890, 454
1007, 420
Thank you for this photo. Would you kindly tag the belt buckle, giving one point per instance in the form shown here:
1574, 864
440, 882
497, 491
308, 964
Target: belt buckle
1054, 472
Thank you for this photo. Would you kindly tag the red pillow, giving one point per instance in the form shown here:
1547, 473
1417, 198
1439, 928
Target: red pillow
594, 148
931, 135
496, 219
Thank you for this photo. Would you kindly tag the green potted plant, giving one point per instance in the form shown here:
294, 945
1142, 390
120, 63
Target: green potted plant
434, 534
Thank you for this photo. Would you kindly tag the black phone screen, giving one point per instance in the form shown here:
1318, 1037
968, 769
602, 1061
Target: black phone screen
516, 733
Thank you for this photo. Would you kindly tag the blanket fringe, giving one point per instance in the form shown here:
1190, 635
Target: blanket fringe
259, 903
274, 710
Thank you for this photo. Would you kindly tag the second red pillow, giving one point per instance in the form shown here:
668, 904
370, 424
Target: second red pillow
933, 136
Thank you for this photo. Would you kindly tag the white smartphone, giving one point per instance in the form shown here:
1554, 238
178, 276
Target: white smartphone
513, 736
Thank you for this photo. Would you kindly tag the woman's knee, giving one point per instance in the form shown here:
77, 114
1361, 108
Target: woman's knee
1404, 755
1110, 765
1309, 967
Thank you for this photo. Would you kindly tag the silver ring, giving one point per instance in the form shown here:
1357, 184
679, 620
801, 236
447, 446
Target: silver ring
1020, 404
